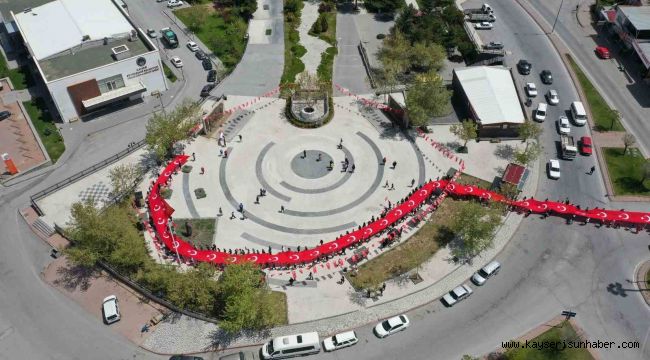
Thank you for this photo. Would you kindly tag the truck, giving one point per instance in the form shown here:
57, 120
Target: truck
169, 37
485, 9
569, 149
481, 17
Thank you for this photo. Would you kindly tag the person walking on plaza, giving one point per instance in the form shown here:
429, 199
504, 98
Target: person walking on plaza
257, 199
412, 182
591, 171
240, 138
341, 144
193, 157
394, 164
383, 161
304, 154
352, 168
220, 211
282, 208
202, 170
225, 153
320, 157
241, 207
392, 186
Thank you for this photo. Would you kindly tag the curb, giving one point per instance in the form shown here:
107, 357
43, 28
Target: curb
640, 280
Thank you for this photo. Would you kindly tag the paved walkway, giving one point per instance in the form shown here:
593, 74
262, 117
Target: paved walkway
314, 46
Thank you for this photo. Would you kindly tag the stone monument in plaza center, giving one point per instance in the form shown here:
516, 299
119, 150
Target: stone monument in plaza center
309, 105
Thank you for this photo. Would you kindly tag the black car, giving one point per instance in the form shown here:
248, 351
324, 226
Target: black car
206, 90
200, 55
547, 77
212, 76
207, 64
524, 67
185, 357
4, 114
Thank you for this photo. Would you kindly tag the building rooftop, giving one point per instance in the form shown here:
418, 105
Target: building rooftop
492, 94
639, 16
89, 58
64, 24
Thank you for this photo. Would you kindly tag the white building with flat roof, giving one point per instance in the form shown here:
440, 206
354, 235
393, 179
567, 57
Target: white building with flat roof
90, 55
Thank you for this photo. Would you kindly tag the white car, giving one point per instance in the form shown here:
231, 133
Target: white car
192, 46
554, 169
459, 293
340, 341
174, 3
110, 310
531, 89
481, 276
552, 97
563, 125
177, 62
540, 112
484, 25
392, 325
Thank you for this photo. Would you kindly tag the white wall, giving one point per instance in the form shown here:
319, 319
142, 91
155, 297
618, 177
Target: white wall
153, 81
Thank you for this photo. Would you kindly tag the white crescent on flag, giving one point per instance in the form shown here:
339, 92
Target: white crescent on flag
353, 238
384, 222
273, 258
231, 259
154, 196
398, 212
315, 253
436, 184
156, 208
294, 257
423, 192
166, 235
452, 187
470, 189
176, 244
192, 252
602, 214
161, 221
367, 231
525, 203
543, 206
411, 203
562, 208
167, 173
333, 246
624, 216
253, 258
211, 257
488, 195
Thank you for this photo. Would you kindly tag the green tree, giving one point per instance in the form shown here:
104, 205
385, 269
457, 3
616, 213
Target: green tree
195, 289
473, 226
427, 96
245, 299
426, 56
165, 130
383, 6
124, 179
467, 130
392, 53
645, 171
628, 140
529, 154
529, 130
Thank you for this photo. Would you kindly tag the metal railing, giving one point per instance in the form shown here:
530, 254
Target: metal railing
366, 64
61, 184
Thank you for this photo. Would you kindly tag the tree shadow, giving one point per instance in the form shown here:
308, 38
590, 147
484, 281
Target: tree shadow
358, 297
631, 185
505, 151
617, 289
76, 277
221, 339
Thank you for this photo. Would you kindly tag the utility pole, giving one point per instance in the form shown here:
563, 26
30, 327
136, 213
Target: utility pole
557, 16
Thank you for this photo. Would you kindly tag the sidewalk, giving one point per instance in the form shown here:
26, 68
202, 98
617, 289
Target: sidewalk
189, 335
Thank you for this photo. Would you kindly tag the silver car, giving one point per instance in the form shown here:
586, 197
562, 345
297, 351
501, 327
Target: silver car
459, 293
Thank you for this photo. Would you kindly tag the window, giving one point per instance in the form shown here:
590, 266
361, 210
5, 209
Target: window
110, 83
297, 350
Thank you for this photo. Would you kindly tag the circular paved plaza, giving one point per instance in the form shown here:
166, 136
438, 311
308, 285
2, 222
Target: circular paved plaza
312, 193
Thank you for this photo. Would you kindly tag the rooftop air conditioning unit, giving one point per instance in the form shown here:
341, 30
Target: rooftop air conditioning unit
121, 52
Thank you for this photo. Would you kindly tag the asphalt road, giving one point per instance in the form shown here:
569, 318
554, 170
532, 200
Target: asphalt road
624, 91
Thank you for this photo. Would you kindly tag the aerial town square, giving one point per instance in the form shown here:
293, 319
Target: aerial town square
328, 179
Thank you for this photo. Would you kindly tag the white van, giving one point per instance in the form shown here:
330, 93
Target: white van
293, 345
578, 113
486, 272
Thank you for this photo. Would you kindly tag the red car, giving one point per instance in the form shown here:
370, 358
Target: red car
602, 52
585, 145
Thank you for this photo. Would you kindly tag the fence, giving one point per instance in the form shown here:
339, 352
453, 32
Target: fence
61, 184
366, 64
141, 289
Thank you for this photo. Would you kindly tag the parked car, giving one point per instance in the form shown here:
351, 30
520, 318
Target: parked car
201, 55
585, 146
177, 62
192, 46
552, 97
459, 293
212, 76
554, 169
540, 112
205, 92
563, 125
487, 271
4, 114
340, 341
152, 33
531, 89
602, 52
547, 77
392, 325
483, 25
524, 67
207, 64
174, 3
493, 45
185, 357
110, 310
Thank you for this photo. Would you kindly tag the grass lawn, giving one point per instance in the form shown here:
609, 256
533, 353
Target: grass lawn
328, 36
169, 74
202, 231
45, 127
278, 305
625, 171
223, 31
326, 66
293, 51
556, 334
20, 78
602, 113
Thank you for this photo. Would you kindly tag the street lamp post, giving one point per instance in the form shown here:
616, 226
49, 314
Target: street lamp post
557, 16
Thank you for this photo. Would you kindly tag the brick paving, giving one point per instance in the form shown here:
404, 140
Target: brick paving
17, 137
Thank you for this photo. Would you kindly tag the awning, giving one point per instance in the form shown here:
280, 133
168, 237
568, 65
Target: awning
112, 96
